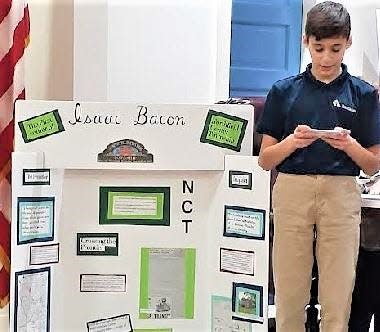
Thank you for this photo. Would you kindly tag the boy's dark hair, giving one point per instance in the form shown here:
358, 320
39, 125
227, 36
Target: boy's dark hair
328, 19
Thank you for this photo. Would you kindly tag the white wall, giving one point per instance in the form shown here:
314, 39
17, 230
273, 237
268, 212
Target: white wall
49, 57
153, 51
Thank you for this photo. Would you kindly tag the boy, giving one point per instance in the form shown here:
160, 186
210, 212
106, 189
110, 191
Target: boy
316, 183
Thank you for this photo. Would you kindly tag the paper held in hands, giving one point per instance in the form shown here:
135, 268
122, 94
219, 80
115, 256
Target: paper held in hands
337, 131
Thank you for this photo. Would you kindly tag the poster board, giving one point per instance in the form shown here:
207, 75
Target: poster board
174, 250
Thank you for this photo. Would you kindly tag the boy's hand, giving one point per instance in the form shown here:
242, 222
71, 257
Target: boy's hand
339, 141
302, 137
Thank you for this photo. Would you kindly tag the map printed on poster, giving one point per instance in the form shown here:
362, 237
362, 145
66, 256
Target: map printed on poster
221, 316
32, 300
121, 323
35, 219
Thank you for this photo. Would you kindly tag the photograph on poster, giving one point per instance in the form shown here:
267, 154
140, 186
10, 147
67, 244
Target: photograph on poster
224, 130
244, 222
97, 244
35, 219
41, 126
164, 294
221, 316
103, 283
237, 261
247, 302
134, 205
36, 177
121, 323
32, 300
44, 254
240, 179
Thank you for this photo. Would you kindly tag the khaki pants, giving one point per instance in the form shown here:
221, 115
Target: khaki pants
332, 203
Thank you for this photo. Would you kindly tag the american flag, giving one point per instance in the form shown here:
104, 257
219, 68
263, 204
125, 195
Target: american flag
14, 37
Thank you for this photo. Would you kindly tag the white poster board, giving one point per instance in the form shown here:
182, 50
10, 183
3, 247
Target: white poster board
120, 247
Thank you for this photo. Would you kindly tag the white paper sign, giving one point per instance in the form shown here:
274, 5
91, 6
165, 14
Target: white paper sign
130, 205
114, 324
237, 261
112, 283
44, 254
36, 177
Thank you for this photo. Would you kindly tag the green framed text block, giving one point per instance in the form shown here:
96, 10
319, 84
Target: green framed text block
134, 205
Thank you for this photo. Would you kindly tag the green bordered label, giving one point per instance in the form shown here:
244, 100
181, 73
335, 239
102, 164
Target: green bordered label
41, 126
97, 244
152, 330
134, 205
224, 130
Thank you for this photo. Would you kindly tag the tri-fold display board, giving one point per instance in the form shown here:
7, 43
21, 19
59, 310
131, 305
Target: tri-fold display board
137, 218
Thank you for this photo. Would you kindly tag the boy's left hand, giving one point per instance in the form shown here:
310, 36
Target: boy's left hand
340, 140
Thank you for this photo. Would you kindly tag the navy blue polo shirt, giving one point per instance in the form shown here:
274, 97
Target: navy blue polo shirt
347, 102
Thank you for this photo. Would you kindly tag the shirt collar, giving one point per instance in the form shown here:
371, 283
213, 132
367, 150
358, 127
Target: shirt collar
311, 77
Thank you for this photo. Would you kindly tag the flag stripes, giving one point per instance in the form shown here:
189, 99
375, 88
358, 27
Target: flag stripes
14, 37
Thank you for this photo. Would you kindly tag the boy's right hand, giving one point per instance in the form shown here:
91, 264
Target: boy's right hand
302, 137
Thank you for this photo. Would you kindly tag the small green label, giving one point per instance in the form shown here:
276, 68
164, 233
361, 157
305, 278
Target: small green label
224, 130
41, 126
153, 330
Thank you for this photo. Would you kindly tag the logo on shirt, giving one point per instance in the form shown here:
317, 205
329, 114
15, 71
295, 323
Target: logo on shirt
337, 104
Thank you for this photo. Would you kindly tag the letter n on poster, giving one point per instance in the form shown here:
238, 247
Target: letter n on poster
135, 205
244, 222
35, 219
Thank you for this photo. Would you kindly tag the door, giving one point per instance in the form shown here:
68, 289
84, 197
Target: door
265, 44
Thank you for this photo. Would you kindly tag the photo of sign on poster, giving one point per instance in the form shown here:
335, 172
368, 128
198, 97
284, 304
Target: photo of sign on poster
164, 294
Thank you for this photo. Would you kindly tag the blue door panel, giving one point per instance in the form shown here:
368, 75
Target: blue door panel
262, 57
265, 44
